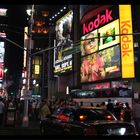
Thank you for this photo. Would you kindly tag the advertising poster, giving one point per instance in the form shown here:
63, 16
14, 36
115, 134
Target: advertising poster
109, 31
1, 71
64, 42
2, 51
101, 65
127, 46
89, 43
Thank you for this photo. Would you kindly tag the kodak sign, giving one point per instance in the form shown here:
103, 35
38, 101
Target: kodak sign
127, 51
101, 19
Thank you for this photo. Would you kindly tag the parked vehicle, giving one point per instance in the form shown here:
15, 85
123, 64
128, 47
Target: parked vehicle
84, 121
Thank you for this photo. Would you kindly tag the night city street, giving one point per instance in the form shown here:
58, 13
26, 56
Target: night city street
70, 70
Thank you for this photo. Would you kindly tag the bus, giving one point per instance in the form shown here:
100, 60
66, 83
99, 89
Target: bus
97, 96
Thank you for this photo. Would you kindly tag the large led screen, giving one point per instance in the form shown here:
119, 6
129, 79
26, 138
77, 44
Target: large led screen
104, 29
101, 65
109, 35
64, 42
89, 43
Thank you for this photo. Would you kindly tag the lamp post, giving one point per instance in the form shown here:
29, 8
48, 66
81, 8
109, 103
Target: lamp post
25, 121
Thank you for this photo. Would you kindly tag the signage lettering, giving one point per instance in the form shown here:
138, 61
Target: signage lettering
100, 20
125, 25
127, 50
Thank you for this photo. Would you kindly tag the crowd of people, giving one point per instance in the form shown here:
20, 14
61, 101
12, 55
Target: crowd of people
124, 112
39, 109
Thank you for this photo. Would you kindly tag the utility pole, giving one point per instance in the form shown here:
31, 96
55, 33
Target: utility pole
25, 121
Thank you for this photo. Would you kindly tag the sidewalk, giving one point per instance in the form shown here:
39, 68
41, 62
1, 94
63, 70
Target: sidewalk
32, 125
32, 129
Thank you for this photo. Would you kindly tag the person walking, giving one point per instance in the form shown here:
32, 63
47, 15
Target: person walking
110, 106
136, 115
44, 110
127, 113
117, 111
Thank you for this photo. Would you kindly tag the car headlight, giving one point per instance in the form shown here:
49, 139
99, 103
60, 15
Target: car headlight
117, 131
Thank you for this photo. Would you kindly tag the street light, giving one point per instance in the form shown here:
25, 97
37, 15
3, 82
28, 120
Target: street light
25, 121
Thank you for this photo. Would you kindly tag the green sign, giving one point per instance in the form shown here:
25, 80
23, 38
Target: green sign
72, 51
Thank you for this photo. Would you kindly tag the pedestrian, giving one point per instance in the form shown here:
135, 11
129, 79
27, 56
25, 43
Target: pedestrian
136, 115
103, 105
33, 109
2, 108
117, 111
110, 106
44, 110
127, 113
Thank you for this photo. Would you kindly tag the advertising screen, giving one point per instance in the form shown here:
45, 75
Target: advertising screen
64, 42
101, 65
89, 43
107, 54
108, 32
1, 71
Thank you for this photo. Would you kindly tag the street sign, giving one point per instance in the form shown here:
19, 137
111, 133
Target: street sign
72, 51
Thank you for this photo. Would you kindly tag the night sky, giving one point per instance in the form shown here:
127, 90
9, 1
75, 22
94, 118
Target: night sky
16, 21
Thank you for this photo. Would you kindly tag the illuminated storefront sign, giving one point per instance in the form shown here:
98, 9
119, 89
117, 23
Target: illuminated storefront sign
37, 69
127, 52
102, 85
64, 42
2, 51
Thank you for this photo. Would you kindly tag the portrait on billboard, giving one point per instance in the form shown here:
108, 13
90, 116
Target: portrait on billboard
63, 35
108, 35
64, 42
92, 68
101, 65
89, 43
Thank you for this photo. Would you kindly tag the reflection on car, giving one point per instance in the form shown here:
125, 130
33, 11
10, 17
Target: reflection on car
84, 121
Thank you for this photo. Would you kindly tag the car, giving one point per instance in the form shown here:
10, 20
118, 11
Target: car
84, 121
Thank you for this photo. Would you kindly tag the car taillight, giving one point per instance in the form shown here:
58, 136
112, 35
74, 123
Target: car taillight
63, 117
82, 118
109, 117
90, 131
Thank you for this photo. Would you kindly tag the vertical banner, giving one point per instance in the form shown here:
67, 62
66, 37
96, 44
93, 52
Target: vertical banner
127, 52
64, 42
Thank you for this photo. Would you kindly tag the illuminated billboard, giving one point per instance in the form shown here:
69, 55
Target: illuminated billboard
109, 31
1, 71
3, 12
105, 54
89, 45
2, 51
64, 42
101, 65
127, 46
